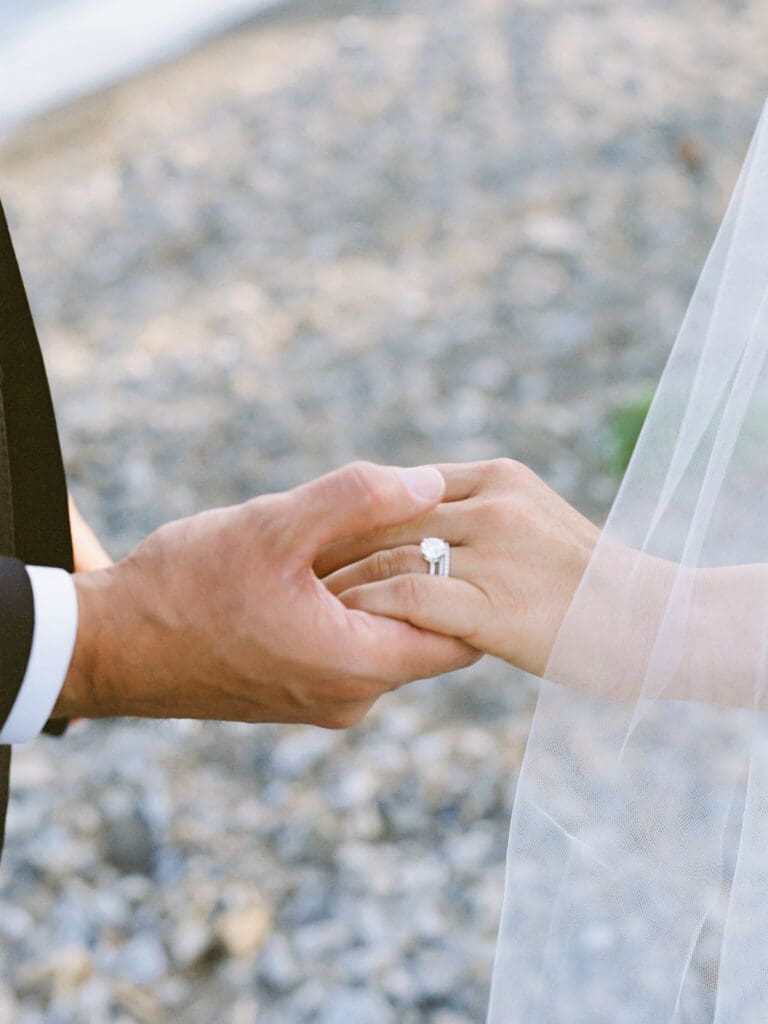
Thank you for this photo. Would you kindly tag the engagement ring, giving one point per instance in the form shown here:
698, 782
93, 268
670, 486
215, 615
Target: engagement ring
438, 553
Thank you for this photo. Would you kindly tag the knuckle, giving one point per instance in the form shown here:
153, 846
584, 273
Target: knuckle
265, 519
508, 471
388, 563
380, 566
409, 589
493, 514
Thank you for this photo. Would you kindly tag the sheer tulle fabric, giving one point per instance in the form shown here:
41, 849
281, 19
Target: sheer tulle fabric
637, 876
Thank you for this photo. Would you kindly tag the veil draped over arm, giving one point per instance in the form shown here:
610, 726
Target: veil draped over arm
637, 874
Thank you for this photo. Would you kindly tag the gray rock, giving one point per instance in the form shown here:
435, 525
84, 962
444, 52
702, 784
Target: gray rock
358, 1005
61, 972
401, 986
9, 1007
310, 901
436, 972
61, 856
300, 753
190, 942
321, 940
142, 960
127, 839
277, 966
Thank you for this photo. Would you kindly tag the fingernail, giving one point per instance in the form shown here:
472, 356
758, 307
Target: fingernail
425, 482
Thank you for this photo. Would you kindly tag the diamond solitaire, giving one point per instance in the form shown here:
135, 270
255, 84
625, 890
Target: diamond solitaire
432, 548
436, 552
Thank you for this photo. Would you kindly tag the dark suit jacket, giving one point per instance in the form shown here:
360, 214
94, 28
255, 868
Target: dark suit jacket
34, 520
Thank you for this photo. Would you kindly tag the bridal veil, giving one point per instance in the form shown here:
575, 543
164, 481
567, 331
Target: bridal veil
637, 875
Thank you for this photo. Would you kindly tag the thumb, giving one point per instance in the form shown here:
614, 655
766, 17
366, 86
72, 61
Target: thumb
361, 498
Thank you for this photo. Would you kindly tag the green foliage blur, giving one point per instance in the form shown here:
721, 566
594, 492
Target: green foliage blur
624, 428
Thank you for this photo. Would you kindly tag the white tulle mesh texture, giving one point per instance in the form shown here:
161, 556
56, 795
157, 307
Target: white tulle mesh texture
637, 876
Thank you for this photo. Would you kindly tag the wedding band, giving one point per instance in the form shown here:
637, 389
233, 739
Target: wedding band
437, 552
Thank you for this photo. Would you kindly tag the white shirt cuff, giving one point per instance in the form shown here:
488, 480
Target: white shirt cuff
53, 641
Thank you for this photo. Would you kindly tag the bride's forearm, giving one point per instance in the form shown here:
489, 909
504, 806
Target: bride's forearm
724, 653
646, 625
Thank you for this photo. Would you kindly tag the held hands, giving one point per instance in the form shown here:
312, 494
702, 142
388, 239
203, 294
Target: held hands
518, 552
306, 606
222, 616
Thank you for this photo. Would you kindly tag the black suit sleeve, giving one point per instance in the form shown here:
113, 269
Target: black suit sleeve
17, 620
16, 626
38, 484
34, 519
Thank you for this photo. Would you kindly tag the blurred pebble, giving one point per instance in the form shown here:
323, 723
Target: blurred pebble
9, 1008
60, 972
126, 835
299, 753
278, 969
362, 1007
190, 941
141, 960
244, 931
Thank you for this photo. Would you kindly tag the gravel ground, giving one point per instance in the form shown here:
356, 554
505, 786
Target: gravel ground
406, 232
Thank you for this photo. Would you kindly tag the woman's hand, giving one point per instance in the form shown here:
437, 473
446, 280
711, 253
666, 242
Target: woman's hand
518, 552
88, 550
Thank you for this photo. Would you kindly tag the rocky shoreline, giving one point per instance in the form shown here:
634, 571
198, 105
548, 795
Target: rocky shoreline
416, 232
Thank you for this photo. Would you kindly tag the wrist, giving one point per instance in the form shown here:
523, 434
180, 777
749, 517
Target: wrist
78, 696
127, 657
98, 669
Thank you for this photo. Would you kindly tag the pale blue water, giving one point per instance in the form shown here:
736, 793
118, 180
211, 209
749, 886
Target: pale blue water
52, 51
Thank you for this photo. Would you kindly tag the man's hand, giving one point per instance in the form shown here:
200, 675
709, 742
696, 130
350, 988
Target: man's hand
222, 616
